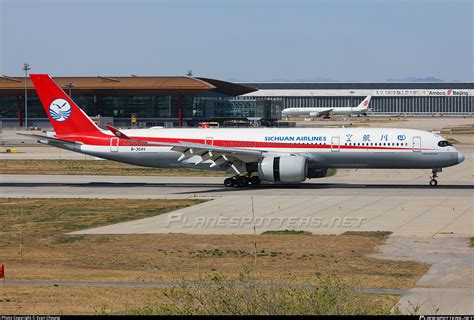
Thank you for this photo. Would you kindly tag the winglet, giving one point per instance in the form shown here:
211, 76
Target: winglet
117, 132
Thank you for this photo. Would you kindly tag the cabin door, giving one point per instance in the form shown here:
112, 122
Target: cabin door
114, 143
335, 142
209, 140
416, 144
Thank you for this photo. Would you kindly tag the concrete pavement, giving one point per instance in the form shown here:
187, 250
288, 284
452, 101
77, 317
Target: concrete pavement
448, 286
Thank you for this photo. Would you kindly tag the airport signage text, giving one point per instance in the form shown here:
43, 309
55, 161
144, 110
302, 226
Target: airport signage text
436, 93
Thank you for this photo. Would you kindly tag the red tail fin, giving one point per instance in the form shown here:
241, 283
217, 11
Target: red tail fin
65, 116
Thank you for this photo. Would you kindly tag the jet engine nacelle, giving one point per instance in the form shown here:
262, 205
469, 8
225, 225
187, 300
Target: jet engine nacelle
285, 168
314, 114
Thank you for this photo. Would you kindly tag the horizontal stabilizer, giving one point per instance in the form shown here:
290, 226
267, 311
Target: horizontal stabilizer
60, 143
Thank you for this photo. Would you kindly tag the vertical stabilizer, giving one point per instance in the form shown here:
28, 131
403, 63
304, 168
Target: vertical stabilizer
65, 116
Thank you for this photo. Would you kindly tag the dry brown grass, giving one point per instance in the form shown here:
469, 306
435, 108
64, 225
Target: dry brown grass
50, 255
93, 167
72, 300
96, 300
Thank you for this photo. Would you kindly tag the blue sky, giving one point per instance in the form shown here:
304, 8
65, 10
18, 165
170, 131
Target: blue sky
292, 40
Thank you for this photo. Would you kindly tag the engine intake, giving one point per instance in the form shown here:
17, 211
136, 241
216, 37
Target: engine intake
287, 169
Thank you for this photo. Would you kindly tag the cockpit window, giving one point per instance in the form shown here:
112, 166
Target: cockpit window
444, 143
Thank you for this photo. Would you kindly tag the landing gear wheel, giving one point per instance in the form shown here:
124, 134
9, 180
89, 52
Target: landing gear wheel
242, 181
254, 180
229, 182
434, 175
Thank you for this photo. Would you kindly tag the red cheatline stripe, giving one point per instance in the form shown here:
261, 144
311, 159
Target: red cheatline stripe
105, 141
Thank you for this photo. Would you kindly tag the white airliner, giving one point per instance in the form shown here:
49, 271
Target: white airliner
275, 155
362, 108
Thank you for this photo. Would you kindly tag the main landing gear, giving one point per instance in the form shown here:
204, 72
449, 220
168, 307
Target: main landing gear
434, 175
241, 181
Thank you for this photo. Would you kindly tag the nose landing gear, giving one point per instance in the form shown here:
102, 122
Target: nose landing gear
434, 175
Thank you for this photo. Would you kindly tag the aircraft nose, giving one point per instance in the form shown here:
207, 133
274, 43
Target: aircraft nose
460, 157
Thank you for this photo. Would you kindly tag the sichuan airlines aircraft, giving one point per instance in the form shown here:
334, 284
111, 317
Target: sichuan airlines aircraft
362, 108
275, 155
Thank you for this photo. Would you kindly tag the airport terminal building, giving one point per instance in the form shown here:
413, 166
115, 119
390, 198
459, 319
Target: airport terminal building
388, 98
184, 101
152, 101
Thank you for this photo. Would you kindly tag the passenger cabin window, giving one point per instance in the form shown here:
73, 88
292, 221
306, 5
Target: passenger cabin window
444, 143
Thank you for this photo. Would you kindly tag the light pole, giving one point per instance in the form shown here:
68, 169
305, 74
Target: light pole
70, 85
351, 101
26, 67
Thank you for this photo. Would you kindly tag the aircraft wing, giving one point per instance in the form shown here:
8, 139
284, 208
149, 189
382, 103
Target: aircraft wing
217, 156
325, 112
201, 152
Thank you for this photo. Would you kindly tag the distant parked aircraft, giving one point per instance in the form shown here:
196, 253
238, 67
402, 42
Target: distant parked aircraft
362, 108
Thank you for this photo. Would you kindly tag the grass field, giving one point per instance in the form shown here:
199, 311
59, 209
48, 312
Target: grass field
376, 234
50, 254
94, 167
287, 232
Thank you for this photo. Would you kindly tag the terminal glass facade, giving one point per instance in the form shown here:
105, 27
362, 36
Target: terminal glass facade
143, 106
239, 108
